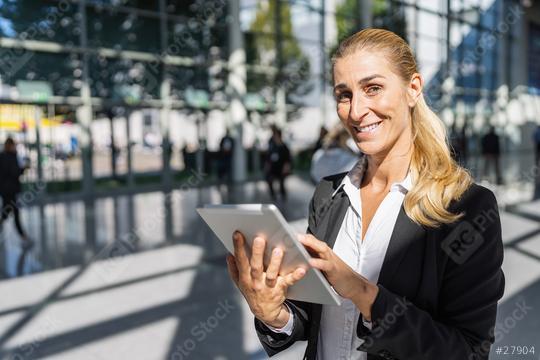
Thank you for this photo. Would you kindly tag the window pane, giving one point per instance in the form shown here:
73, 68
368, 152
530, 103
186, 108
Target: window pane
207, 10
121, 31
45, 20
193, 40
124, 79
63, 72
187, 77
138, 4
306, 24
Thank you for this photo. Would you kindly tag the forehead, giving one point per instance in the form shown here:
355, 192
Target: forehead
361, 64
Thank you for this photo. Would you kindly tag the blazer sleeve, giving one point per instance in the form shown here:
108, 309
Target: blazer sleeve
273, 342
471, 286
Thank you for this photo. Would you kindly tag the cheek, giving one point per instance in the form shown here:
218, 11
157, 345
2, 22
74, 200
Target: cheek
390, 104
343, 111
395, 108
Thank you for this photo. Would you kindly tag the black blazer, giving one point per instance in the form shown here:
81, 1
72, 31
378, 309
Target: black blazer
438, 287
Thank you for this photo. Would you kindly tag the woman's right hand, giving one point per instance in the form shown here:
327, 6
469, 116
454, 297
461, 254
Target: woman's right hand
264, 290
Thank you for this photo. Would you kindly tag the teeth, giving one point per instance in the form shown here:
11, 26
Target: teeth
367, 128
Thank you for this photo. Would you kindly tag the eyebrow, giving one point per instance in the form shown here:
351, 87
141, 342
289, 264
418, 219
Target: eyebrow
361, 81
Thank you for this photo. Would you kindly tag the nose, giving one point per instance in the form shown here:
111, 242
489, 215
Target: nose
358, 109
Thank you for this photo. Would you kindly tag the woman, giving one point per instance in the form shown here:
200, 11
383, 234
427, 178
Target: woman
406, 238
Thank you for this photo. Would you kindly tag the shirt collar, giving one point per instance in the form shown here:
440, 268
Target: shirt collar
405, 185
354, 176
353, 179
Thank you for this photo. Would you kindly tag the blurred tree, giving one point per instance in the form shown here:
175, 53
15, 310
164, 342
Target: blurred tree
386, 15
262, 48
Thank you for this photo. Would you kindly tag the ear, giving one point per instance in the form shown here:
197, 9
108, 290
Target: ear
414, 89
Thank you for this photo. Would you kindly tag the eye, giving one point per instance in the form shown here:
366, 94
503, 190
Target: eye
343, 97
373, 89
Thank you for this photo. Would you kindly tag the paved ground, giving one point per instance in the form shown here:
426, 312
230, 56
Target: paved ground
166, 294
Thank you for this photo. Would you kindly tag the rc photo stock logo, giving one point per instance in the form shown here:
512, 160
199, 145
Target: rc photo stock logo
462, 242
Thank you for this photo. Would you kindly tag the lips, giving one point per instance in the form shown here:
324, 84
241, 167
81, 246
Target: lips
367, 128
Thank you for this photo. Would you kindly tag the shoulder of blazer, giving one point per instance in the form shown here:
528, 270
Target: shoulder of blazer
474, 200
473, 241
480, 218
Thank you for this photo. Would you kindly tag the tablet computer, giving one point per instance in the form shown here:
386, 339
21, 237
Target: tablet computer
266, 220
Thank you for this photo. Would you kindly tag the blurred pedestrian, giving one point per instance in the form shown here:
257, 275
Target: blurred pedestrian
491, 152
338, 153
537, 143
277, 164
458, 145
73, 145
10, 187
322, 135
189, 156
226, 148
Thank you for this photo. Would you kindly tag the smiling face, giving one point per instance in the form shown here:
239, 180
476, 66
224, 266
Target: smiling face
373, 102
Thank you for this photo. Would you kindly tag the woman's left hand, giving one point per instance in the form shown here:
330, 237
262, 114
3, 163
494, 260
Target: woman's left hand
347, 282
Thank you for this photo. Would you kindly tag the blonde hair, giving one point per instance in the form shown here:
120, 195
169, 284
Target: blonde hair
437, 178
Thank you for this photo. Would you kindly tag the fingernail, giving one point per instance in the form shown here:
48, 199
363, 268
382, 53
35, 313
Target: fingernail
235, 234
277, 251
302, 271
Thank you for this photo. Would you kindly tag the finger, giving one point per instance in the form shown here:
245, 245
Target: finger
321, 264
296, 275
257, 253
242, 262
272, 271
314, 244
233, 270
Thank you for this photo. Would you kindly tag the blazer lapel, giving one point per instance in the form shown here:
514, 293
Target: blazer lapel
404, 233
337, 214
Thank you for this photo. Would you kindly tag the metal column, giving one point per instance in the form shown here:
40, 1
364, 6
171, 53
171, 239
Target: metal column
130, 177
237, 89
322, 34
84, 112
165, 95
365, 16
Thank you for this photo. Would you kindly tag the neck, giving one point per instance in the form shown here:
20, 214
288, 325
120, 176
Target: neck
385, 169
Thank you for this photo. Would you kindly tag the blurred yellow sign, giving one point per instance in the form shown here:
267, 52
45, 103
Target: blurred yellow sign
16, 117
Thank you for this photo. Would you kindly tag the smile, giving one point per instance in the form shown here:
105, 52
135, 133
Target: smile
367, 128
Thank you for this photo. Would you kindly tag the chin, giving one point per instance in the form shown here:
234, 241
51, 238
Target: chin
370, 147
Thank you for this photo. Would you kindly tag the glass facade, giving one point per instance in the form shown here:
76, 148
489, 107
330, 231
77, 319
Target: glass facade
136, 56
